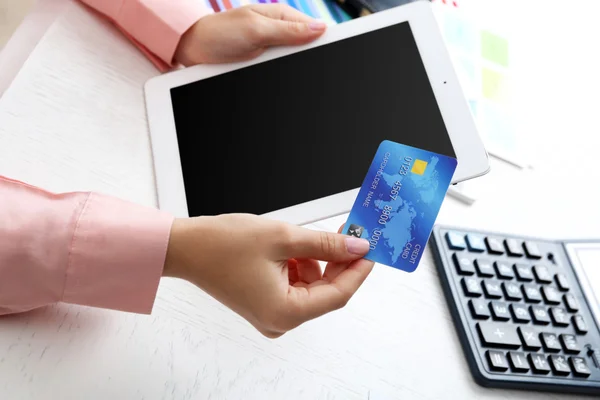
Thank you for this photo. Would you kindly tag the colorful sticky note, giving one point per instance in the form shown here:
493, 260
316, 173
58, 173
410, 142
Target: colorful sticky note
494, 85
473, 107
459, 33
494, 48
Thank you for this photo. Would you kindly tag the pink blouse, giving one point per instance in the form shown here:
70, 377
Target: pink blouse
86, 248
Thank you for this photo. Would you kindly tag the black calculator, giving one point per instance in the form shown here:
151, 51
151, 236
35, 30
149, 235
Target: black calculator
520, 311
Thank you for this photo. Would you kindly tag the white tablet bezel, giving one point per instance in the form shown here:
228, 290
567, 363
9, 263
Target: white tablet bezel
574, 251
472, 157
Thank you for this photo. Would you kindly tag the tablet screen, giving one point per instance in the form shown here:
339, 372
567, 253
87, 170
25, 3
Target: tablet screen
303, 126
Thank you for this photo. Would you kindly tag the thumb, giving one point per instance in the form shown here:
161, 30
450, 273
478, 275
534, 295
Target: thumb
282, 33
324, 246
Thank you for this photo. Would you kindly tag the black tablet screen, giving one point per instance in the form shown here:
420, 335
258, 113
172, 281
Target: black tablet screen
303, 126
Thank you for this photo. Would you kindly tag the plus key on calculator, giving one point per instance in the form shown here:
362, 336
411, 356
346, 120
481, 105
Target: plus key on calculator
519, 310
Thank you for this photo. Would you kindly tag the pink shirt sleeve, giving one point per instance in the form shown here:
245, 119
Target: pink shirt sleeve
81, 248
155, 26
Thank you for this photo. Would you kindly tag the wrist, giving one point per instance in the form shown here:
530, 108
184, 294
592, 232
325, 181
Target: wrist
173, 259
185, 249
188, 46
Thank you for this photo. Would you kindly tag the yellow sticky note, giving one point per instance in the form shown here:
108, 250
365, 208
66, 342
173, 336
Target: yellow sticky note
494, 48
494, 85
419, 167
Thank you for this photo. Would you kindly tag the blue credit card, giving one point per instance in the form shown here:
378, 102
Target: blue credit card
398, 203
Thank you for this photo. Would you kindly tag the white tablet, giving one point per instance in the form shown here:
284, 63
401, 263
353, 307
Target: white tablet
291, 134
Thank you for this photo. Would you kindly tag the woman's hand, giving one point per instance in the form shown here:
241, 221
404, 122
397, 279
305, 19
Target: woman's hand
266, 270
244, 33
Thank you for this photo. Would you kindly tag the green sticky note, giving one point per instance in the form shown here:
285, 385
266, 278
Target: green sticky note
494, 48
493, 85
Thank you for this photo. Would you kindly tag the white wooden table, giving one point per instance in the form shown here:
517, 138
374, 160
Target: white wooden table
74, 119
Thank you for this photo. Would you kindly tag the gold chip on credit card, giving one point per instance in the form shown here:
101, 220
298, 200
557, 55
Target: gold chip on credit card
419, 167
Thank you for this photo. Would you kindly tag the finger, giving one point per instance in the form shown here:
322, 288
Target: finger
282, 12
313, 284
288, 33
309, 271
295, 30
322, 299
333, 269
319, 245
292, 270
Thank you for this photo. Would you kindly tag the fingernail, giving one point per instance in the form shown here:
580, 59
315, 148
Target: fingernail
357, 246
317, 26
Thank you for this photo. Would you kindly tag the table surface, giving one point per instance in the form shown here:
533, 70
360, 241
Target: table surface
74, 119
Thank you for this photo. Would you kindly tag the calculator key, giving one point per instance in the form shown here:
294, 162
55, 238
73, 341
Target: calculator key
513, 247
500, 311
512, 291
540, 315
541, 274
464, 265
494, 245
550, 342
562, 282
492, 289
539, 364
551, 295
455, 240
560, 365
532, 294
559, 316
518, 361
479, 309
569, 343
471, 287
497, 360
523, 272
530, 338
580, 367
520, 312
580, 325
532, 250
495, 334
475, 243
504, 270
484, 268
571, 303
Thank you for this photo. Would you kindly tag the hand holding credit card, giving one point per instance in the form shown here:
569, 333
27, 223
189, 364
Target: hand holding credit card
398, 203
